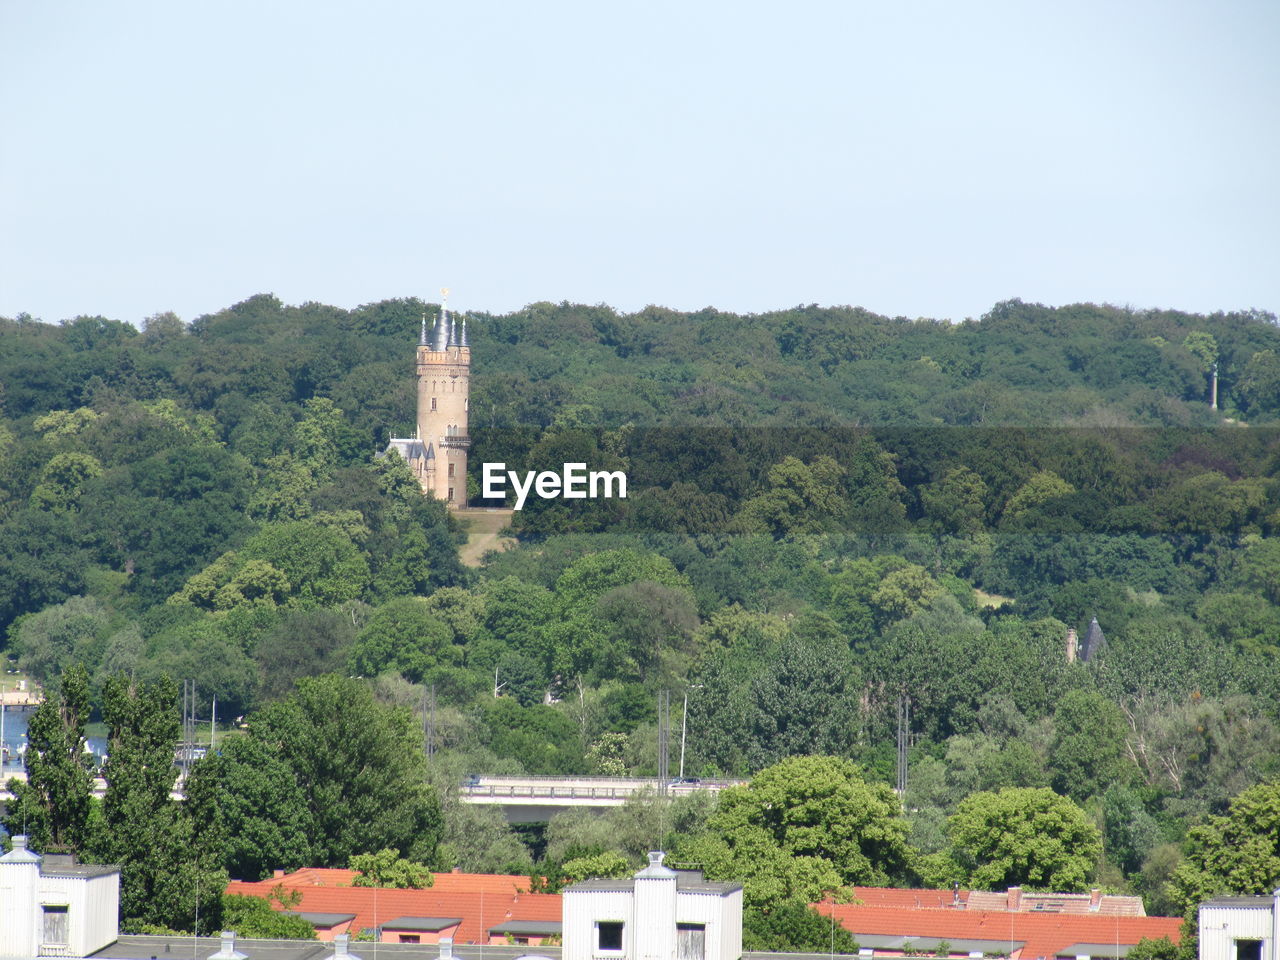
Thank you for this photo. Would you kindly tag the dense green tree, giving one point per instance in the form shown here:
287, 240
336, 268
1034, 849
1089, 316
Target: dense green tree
1203, 751
1020, 836
1089, 751
330, 765
52, 807
305, 643
1259, 385
169, 854
956, 501
63, 481
794, 928
801, 497
1238, 853
802, 828
406, 636
386, 868
49, 642
254, 919
586, 580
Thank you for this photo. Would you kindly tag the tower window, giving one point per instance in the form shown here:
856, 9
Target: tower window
451, 466
433, 404
451, 494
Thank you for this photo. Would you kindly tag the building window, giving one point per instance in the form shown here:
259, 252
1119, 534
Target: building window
56, 927
691, 941
433, 404
608, 934
1248, 950
410, 938
451, 469
451, 494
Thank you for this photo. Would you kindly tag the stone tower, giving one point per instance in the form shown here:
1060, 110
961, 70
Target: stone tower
437, 454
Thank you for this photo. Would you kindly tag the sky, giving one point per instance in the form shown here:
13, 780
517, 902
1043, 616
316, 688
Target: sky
918, 158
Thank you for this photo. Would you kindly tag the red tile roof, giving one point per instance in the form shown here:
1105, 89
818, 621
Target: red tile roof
894, 897
1044, 934
482, 900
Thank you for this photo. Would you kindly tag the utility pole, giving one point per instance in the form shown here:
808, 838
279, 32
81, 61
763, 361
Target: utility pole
188, 723
904, 738
684, 724
429, 719
664, 739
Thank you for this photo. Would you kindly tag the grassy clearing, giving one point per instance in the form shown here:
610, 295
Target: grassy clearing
483, 533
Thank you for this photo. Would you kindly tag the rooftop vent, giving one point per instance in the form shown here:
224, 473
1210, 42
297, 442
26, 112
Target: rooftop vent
340, 951
228, 949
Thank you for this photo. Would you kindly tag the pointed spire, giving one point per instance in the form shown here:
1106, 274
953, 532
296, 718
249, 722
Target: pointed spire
441, 339
462, 342
422, 337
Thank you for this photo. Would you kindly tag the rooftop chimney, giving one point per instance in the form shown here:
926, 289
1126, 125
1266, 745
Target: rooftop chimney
20, 853
446, 948
1015, 899
1095, 900
1072, 644
340, 948
228, 949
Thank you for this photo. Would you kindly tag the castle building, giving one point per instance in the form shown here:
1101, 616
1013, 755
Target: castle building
437, 453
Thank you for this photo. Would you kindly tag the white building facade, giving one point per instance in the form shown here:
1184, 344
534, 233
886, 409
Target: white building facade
659, 914
52, 906
1240, 928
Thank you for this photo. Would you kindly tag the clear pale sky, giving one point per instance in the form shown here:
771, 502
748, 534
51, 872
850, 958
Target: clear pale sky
915, 158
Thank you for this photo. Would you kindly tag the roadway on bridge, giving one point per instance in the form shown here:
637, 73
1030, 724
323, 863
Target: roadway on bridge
530, 799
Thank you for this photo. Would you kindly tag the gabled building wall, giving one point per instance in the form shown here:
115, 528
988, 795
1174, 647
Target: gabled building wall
1225, 923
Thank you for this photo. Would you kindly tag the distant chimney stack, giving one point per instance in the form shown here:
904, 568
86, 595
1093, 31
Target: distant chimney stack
1073, 644
1015, 899
1095, 900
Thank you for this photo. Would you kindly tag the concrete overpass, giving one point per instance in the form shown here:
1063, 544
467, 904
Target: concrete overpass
524, 799
529, 799
99, 786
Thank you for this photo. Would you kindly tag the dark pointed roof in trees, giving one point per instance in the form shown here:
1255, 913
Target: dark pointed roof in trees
1094, 641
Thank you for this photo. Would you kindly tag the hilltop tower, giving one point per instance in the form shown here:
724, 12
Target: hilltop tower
437, 454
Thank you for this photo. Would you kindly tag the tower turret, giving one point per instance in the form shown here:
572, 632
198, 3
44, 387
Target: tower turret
444, 388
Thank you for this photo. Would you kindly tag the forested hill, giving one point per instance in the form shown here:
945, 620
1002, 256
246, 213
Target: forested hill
832, 517
591, 366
